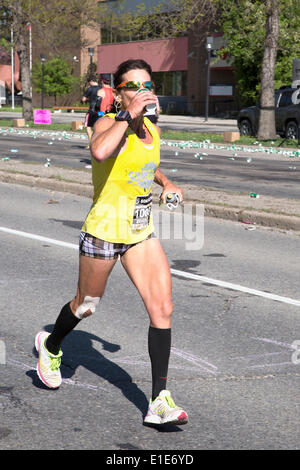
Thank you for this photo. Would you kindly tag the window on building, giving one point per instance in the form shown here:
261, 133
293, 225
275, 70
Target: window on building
170, 83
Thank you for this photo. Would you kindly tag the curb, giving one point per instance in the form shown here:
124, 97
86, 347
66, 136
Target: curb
264, 219
236, 214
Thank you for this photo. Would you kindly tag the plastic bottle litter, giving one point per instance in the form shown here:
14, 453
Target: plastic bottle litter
14, 150
5, 159
174, 170
254, 195
172, 201
249, 160
248, 222
47, 164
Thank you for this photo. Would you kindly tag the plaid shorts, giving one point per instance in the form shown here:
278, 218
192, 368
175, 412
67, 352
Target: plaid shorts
97, 248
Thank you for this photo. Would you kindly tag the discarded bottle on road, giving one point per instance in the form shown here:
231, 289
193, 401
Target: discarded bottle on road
254, 195
5, 159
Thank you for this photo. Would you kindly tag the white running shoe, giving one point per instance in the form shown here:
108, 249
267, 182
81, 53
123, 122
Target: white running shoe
164, 411
48, 365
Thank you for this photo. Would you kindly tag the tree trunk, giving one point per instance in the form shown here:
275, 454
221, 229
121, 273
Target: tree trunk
25, 79
22, 46
266, 129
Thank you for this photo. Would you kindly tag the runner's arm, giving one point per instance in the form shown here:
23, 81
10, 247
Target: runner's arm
167, 185
109, 134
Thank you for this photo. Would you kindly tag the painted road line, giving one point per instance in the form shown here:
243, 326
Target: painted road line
237, 287
186, 275
39, 238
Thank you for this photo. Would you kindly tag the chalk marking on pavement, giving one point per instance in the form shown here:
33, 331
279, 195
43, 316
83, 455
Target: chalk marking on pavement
196, 277
277, 343
134, 360
255, 356
194, 360
261, 366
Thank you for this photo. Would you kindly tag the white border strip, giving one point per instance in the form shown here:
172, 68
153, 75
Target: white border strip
195, 277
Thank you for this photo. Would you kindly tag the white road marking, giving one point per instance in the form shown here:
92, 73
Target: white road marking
237, 287
196, 277
38, 237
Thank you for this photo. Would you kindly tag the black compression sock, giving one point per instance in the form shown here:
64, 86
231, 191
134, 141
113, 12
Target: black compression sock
65, 323
159, 344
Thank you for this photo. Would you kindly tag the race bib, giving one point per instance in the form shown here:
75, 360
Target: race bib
142, 212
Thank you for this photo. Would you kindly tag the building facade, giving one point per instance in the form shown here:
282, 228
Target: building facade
179, 66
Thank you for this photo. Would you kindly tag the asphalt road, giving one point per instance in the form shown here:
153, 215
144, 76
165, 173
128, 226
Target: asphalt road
231, 363
266, 174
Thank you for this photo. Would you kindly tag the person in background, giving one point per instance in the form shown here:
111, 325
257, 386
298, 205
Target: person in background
105, 96
90, 95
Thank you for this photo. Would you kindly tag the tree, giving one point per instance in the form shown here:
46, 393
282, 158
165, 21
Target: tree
266, 128
166, 19
56, 22
263, 37
58, 78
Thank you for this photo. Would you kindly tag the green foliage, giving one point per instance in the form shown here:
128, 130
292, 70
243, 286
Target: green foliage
58, 78
244, 26
168, 18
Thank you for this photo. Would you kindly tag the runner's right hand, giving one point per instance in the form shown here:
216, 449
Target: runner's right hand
139, 102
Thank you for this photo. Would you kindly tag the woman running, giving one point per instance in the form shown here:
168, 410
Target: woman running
125, 150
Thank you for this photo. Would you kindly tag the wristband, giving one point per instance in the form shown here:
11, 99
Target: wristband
123, 116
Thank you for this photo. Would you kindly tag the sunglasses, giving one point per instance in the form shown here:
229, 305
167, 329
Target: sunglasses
133, 85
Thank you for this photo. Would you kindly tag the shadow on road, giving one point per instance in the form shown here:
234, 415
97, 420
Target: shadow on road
78, 350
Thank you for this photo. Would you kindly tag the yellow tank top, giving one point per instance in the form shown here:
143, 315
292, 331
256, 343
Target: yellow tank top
121, 210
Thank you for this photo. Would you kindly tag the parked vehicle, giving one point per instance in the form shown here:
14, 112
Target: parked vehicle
287, 114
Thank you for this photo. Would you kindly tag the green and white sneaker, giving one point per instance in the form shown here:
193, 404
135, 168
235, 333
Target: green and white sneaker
164, 411
48, 365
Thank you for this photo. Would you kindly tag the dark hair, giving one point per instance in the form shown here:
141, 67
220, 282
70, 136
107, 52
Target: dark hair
131, 64
105, 77
93, 78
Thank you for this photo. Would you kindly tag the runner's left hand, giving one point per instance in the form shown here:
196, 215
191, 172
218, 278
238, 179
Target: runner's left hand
171, 188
